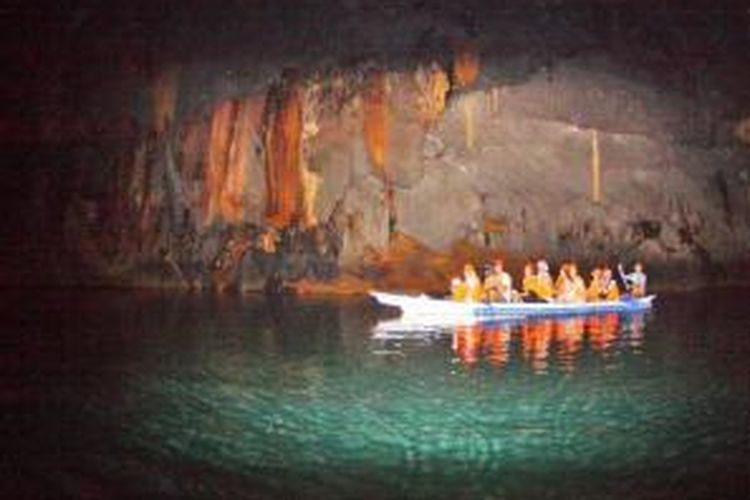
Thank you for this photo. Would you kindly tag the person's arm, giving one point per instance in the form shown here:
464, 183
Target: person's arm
623, 276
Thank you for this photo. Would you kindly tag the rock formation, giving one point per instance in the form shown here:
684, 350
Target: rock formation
333, 174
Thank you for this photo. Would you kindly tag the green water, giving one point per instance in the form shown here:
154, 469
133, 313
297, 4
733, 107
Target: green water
110, 394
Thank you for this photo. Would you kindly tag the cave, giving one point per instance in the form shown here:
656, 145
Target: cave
199, 197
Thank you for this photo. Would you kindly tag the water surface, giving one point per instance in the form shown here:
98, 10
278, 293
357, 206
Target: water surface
115, 394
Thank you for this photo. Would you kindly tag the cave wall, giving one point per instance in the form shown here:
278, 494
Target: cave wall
307, 177
219, 148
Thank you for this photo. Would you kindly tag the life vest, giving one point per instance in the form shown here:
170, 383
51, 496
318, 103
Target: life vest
458, 292
544, 287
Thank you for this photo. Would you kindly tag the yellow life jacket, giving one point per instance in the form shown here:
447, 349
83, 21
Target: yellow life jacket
458, 292
544, 288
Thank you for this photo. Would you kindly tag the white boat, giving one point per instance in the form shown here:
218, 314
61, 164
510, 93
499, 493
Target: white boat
423, 308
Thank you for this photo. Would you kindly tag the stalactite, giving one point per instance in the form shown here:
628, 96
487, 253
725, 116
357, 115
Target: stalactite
376, 131
465, 73
143, 185
494, 100
433, 86
177, 197
311, 184
311, 180
217, 159
283, 125
192, 150
465, 64
233, 198
742, 130
375, 105
164, 98
596, 194
137, 179
467, 106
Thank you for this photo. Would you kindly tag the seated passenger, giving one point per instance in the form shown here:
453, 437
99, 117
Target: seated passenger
608, 289
458, 289
569, 286
529, 283
635, 281
544, 289
579, 287
565, 284
498, 285
473, 284
593, 291
562, 280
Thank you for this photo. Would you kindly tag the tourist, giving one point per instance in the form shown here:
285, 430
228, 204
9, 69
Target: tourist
528, 283
537, 284
608, 289
563, 284
544, 289
579, 286
593, 291
458, 289
473, 284
635, 281
569, 286
498, 285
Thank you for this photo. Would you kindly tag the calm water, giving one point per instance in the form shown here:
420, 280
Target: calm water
110, 394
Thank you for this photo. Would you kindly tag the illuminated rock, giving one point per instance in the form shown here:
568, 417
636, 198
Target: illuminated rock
283, 122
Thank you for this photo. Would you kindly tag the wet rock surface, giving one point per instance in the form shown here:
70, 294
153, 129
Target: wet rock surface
232, 178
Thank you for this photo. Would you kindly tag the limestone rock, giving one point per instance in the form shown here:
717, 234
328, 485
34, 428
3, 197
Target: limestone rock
448, 187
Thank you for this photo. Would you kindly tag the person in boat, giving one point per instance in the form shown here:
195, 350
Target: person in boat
473, 284
569, 286
592, 292
579, 286
635, 281
498, 284
608, 289
458, 289
529, 277
528, 282
540, 288
563, 284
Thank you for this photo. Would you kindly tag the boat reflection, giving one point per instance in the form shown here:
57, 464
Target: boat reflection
491, 343
538, 344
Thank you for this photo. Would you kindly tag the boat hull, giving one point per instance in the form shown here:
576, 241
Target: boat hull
427, 308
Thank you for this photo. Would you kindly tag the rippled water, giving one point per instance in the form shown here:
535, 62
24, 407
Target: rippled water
110, 394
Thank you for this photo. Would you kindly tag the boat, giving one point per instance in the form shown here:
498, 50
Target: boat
423, 308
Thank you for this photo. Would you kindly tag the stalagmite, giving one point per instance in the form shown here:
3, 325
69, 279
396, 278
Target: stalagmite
283, 122
596, 195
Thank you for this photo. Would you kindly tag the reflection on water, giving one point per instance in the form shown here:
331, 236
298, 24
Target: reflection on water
538, 343
111, 395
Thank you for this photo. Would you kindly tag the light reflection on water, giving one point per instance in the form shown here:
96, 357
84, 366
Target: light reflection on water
194, 396
538, 343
